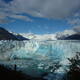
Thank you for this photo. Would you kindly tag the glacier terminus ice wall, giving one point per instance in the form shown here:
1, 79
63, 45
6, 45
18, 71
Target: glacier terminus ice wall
32, 56
38, 49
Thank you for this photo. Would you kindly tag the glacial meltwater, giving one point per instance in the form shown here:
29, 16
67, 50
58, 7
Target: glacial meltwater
38, 57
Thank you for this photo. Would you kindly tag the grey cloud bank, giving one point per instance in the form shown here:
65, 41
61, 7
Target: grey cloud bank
43, 8
46, 8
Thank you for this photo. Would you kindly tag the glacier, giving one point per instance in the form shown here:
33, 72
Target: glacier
36, 56
60, 49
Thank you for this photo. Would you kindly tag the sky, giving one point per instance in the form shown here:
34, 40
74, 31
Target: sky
39, 16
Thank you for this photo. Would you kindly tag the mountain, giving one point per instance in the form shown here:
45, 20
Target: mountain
68, 35
20, 37
6, 35
73, 37
64, 34
39, 37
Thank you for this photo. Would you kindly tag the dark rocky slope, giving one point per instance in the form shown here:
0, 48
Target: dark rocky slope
6, 35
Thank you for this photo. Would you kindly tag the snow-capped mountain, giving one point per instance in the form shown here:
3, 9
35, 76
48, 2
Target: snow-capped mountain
68, 35
39, 37
73, 37
6, 35
65, 35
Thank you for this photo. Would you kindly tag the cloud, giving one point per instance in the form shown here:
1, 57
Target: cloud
6, 12
43, 8
7, 1
25, 18
77, 29
74, 21
4, 21
47, 8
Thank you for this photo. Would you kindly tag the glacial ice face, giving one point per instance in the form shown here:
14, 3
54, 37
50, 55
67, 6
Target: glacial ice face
58, 49
37, 56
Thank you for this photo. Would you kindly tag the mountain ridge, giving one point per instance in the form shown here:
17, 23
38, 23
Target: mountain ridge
6, 35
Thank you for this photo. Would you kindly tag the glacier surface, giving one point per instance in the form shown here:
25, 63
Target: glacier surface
59, 49
36, 56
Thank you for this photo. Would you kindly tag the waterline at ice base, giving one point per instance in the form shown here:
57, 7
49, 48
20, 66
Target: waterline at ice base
36, 58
